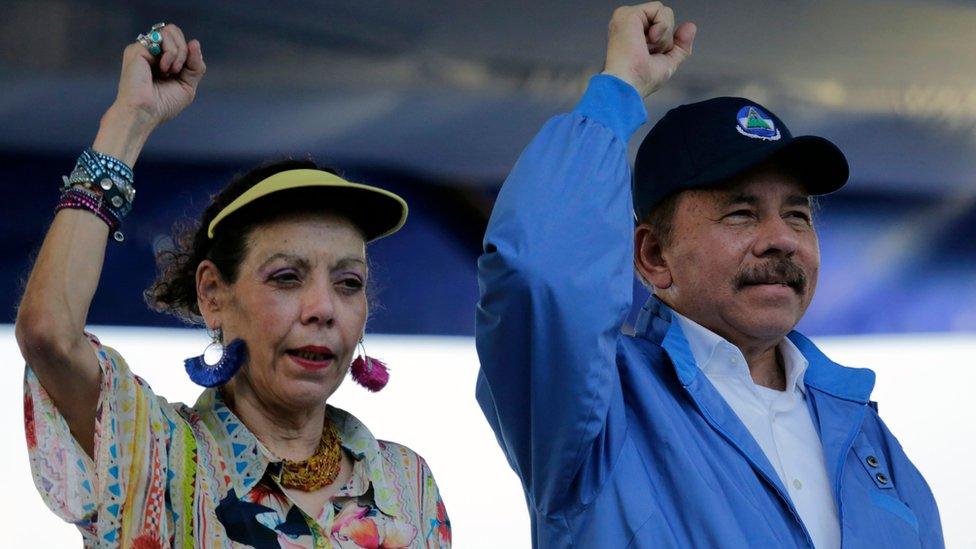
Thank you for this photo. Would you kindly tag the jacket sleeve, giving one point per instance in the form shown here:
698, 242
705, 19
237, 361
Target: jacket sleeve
556, 285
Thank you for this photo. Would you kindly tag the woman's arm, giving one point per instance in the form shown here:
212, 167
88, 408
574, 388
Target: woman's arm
52, 314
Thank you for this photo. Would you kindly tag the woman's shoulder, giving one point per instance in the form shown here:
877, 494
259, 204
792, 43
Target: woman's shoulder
120, 377
359, 440
400, 453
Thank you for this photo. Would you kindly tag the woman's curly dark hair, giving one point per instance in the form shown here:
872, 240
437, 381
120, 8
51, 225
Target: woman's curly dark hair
175, 290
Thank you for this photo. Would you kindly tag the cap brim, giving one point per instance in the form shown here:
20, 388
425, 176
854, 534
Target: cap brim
377, 212
818, 163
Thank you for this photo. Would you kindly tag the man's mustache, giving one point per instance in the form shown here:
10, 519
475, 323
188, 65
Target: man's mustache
776, 271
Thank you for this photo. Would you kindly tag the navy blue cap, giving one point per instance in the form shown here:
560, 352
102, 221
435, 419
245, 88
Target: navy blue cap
702, 144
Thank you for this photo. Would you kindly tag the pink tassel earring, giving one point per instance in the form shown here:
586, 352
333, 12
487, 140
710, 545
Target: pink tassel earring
369, 372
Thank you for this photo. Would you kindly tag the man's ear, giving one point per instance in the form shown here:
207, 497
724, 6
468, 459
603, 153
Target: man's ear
211, 291
649, 258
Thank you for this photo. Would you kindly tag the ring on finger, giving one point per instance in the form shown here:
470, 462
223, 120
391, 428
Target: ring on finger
153, 40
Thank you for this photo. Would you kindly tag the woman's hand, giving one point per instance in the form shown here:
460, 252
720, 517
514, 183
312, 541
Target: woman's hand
160, 88
151, 91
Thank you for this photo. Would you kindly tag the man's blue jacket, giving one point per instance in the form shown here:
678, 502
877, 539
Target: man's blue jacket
621, 441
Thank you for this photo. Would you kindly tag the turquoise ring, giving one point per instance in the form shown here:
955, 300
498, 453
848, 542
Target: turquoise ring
153, 40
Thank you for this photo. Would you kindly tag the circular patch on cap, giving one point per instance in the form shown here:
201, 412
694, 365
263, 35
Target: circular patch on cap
752, 122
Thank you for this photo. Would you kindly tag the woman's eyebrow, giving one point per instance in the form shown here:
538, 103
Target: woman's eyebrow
291, 258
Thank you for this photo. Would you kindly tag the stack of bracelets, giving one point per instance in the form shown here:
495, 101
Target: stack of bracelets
101, 185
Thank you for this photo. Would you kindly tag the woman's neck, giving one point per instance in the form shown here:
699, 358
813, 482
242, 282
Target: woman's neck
289, 434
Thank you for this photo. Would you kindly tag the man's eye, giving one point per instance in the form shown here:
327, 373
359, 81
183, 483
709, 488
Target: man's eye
351, 284
739, 214
802, 216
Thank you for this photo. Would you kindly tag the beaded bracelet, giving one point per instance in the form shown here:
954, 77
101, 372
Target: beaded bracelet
81, 205
106, 175
102, 185
81, 199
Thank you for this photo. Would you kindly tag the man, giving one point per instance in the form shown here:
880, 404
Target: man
715, 425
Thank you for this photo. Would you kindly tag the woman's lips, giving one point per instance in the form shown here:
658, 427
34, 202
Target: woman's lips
311, 364
312, 357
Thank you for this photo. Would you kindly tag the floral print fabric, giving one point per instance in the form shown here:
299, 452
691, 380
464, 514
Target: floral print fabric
168, 475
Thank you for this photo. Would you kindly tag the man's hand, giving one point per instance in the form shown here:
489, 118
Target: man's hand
644, 48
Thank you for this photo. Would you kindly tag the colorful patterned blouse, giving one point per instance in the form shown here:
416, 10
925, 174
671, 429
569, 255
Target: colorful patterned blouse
170, 475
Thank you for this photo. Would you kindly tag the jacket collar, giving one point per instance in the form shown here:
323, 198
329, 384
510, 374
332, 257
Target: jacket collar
247, 458
656, 322
716, 356
853, 384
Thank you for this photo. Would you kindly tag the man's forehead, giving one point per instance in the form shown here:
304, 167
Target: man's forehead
787, 190
754, 197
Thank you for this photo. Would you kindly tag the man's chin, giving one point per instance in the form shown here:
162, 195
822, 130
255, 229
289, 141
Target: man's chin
769, 329
768, 318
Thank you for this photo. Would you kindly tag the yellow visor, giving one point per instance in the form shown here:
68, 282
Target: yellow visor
377, 212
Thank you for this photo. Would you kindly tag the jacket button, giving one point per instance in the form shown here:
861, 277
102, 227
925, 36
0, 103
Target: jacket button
882, 478
872, 461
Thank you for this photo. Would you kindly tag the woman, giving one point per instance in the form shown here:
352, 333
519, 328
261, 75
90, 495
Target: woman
277, 271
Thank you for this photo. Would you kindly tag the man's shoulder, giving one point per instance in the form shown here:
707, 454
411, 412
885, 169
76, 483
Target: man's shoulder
629, 344
643, 358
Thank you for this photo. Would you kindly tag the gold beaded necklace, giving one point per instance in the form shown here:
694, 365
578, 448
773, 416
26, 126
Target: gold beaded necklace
319, 470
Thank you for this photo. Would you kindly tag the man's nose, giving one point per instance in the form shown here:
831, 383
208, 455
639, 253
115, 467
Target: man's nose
776, 237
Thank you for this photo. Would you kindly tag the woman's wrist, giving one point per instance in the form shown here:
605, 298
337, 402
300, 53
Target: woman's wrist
123, 132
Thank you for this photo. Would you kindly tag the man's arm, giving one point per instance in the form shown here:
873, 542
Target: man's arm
556, 276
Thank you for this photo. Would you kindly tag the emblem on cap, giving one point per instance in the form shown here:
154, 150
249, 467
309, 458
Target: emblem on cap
753, 122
